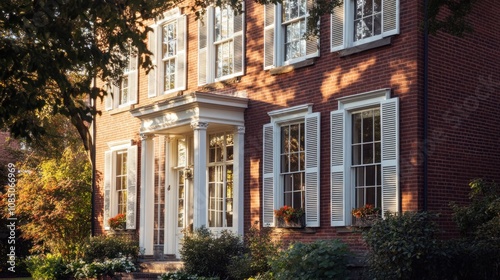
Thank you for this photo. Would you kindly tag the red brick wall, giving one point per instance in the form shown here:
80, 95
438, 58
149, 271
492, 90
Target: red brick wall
464, 121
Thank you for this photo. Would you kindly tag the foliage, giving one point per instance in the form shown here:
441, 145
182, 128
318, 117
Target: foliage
259, 248
403, 246
109, 267
180, 275
289, 213
450, 16
101, 247
48, 267
117, 221
53, 200
208, 255
364, 211
323, 259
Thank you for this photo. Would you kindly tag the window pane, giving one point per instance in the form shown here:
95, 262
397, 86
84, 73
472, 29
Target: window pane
288, 180
370, 196
359, 176
356, 154
368, 153
360, 197
294, 162
370, 175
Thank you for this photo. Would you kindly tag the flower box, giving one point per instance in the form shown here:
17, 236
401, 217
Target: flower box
297, 223
289, 217
366, 221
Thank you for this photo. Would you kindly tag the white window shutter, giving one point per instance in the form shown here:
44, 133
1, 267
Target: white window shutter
133, 78
312, 44
180, 62
108, 167
389, 111
337, 28
390, 14
268, 177
131, 186
109, 97
152, 73
338, 194
269, 18
312, 142
239, 43
115, 88
202, 49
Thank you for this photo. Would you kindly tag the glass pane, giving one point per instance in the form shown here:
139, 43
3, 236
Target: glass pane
368, 153
297, 200
370, 175
358, 10
284, 163
377, 6
211, 174
367, 126
302, 165
356, 128
376, 121
359, 176
288, 180
378, 152
377, 24
298, 182
356, 154
230, 153
368, 8
284, 139
294, 162
379, 175
360, 197
288, 199
379, 197
370, 196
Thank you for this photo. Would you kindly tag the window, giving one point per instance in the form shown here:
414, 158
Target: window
291, 163
220, 45
358, 22
220, 180
284, 28
124, 91
364, 157
120, 182
167, 42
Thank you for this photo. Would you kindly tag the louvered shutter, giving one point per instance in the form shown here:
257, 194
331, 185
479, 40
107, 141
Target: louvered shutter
180, 71
268, 177
337, 28
337, 194
269, 21
133, 78
312, 142
108, 167
203, 49
131, 186
115, 88
109, 98
152, 73
389, 111
390, 14
312, 44
239, 43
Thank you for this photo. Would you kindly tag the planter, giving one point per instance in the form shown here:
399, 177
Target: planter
128, 234
366, 221
299, 223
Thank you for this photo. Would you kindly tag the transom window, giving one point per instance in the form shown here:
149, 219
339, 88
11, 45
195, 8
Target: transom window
220, 180
366, 157
292, 164
121, 181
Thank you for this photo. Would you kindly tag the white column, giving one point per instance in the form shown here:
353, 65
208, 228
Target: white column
199, 174
170, 200
239, 167
146, 229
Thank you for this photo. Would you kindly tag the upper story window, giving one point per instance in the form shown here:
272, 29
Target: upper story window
284, 28
291, 163
124, 91
167, 42
358, 22
220, 45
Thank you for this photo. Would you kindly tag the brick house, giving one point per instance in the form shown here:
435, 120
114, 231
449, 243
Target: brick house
242, 115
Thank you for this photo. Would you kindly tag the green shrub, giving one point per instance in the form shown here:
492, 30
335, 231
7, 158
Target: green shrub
102, 247
180, 275
403, 246
48, 267
323, 259
259, 248
208, 255
81, 270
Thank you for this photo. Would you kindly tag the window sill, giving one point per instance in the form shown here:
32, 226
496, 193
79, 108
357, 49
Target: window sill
289, 68
364, 47
121, 109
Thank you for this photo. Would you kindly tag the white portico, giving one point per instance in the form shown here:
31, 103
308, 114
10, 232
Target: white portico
191, 167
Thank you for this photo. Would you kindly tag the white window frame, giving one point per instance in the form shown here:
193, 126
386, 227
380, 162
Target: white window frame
115, 87
274, 38
273, 181
342, 25
207, 46
110, 194
342, 176
156, 75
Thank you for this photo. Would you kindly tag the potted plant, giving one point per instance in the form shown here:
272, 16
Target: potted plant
118, 222
365, 215
289, 217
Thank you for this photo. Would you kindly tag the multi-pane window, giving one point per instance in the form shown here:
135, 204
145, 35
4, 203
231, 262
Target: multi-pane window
169, 52
294, 22
223, 41
181, 199
123, 91
367, 18
130, 69
366, 157
220, 180
121, 181
123, 99
292, 164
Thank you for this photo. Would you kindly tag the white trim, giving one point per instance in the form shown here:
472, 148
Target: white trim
120, 144
364, 99
291, 112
